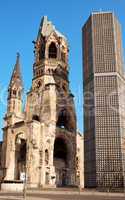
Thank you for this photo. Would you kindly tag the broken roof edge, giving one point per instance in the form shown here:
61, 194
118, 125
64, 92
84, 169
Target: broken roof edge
47, 27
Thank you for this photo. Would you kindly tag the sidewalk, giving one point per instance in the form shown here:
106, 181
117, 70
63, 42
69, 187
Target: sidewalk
59, 192
86, 192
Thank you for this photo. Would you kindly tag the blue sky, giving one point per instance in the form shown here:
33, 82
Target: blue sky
19, 23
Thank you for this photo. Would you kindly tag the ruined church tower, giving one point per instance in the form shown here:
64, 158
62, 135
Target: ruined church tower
41, 140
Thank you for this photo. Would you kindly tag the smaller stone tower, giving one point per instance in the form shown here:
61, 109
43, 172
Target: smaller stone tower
13, 117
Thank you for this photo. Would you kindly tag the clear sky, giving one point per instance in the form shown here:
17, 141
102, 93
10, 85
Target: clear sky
19, 23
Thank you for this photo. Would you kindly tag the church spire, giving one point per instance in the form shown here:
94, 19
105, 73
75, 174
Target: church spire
15, 89
16, 75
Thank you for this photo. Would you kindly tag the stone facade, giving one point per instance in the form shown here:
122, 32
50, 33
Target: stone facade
80, 160
42, 140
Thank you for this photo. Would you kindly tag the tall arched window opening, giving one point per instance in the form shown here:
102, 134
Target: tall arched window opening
52, 50
46, 157
42, 52
63, 119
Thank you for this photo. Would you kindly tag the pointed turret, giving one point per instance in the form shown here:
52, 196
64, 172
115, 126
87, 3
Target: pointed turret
16, 75
15, 89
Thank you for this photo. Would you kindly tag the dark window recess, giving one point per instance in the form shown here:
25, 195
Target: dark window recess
60, 149
14, 92
23, 152
64, 88
20, 157
52, 50
39, 84
63, 120
36, 117
42, 52
46, 157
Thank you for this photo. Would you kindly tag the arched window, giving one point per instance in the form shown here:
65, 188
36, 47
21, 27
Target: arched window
63, 119
52, 50
42, 52
14, 92
60, 149
20, 155
39, 84
46, 157
77, 163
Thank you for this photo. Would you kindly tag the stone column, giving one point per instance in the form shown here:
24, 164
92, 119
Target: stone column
52, 167
10, 157
52, 132
33, 154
